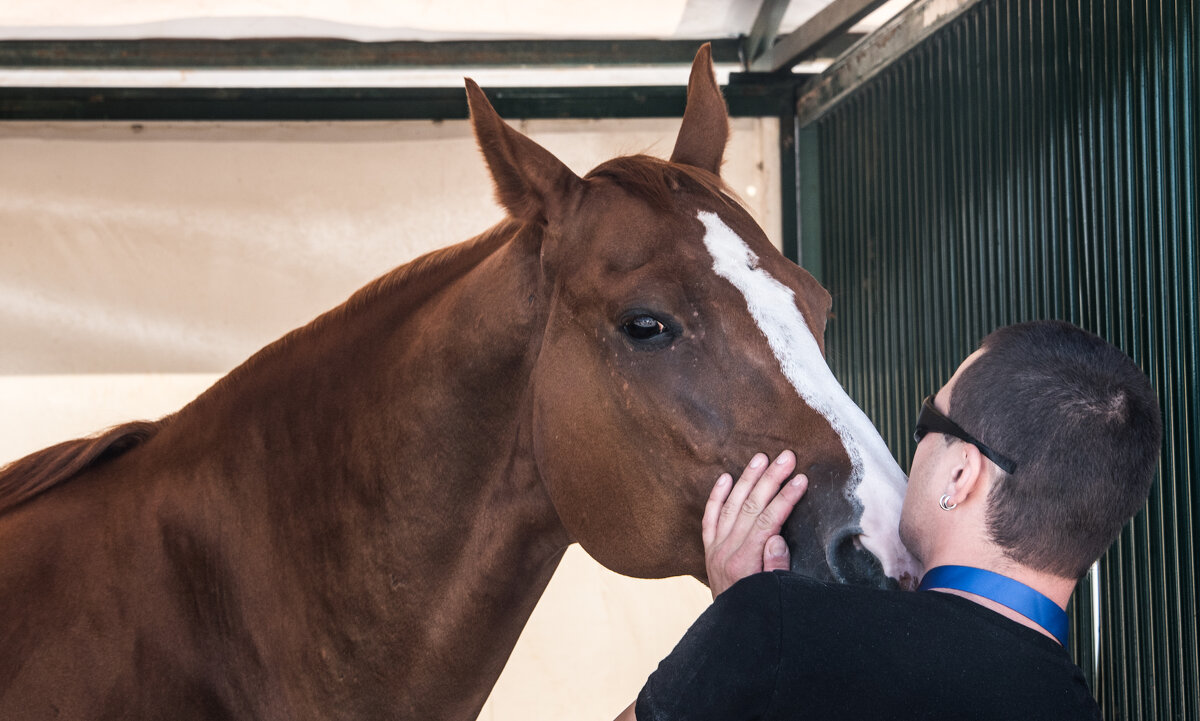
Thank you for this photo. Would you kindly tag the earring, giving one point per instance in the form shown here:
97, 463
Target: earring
945, 504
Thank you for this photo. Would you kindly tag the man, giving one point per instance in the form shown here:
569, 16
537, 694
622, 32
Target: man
1052, 448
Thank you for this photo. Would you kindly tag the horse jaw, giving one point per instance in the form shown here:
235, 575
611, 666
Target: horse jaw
877, 483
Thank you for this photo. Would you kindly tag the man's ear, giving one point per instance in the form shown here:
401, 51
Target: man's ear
530, 182
705, 128
966, 475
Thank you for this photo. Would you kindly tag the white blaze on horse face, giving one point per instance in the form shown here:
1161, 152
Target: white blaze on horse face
877, 482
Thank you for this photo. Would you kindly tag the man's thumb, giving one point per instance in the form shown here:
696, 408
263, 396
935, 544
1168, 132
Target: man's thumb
775, 555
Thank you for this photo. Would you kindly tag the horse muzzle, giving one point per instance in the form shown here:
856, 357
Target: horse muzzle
833, 552
843, 559
849, 562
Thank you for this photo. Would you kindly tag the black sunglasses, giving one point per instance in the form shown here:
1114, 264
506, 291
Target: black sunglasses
931, 419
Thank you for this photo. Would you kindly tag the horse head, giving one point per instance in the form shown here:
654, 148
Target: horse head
678, 340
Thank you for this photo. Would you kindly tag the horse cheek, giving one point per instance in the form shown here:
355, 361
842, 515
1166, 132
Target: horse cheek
600, 474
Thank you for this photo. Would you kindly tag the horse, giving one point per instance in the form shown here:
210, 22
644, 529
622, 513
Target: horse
358, 520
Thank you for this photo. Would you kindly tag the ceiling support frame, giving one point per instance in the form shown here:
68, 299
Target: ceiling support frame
763, 31
327, 53
831, 22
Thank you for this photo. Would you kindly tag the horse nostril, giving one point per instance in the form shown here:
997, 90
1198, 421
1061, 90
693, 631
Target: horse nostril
851, 563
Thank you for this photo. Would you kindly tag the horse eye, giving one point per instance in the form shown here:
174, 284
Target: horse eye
643, 328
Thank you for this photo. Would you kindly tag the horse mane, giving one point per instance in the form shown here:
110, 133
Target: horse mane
426, 272
27, 477
657, 181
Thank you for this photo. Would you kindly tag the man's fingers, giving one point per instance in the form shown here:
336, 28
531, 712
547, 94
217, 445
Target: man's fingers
768, 485
759, 498
730, 510
770, 521
712, 509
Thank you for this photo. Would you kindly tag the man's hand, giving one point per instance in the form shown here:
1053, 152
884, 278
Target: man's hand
742, 521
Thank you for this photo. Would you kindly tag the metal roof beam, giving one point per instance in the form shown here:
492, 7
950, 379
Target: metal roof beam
764, 30
911, 27
832, 21
758, 97
311, 53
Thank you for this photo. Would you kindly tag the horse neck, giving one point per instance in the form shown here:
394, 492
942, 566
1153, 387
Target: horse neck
389, 445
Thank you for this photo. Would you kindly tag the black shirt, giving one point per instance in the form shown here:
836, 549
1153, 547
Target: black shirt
783, 646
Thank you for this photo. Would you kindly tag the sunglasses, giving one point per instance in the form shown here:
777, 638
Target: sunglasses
931, 419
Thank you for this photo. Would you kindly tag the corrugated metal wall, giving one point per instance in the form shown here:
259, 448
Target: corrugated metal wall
1037, 158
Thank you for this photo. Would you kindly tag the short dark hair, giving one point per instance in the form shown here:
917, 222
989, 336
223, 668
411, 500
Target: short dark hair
1083, 424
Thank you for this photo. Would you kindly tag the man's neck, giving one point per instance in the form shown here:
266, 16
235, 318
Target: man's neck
1056, 588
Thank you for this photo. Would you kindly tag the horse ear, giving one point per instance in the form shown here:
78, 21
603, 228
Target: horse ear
531, 183
705, 129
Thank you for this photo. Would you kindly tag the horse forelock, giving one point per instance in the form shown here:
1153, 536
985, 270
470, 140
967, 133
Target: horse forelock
658, 181
27, 477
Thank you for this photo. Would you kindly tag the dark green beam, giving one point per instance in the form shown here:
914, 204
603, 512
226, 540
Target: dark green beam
325, 53
745, 99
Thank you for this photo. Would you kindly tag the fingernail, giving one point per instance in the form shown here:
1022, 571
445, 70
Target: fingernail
799, 480
758, 461
723, 479
776, 548
783, 457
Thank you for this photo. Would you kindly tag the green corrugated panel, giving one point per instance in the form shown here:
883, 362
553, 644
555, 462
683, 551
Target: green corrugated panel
1038, 159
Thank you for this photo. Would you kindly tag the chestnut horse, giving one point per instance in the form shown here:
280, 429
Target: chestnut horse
357, 522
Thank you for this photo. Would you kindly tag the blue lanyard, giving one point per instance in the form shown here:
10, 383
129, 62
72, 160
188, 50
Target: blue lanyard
1004, 591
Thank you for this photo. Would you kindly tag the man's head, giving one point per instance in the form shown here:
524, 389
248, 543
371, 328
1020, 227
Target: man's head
1082, 424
